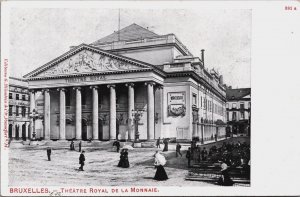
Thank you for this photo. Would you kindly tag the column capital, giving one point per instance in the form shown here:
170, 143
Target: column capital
31, 90
151, 83
111, 86
63, 89
45, 90
92, 87
77, 88
129, 84
158, 87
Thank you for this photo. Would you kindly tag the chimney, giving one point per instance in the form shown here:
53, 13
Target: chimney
202, 55
221, 79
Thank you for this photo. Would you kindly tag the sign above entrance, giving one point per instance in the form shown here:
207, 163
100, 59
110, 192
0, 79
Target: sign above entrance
86, 78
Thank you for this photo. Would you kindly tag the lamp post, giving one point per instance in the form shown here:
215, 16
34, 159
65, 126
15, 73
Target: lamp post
33, 115
137, 114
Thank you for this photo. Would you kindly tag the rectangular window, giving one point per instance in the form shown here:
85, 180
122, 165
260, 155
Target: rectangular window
194, 99
242, 115
242, 106
227, 116
227, 105
249, 106
23, 111
17, 110
234, 115
17, 96
201, 101
10, 110
10, 95
233, 105
23, 98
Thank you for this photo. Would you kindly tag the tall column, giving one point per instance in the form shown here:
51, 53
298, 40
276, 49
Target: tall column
112, 113
95, 112
47, 114
32, 106
150, 110
78, 113
130, 110
62, 113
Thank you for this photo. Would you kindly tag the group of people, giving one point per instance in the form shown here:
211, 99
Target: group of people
165, 141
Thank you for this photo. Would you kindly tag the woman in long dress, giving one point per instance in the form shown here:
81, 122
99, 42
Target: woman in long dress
125, 157
120, 164
159, 162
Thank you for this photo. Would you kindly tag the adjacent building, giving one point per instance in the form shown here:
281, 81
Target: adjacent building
94, 91
238, 109
18, 109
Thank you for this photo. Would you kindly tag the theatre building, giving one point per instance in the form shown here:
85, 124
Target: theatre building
18, 114
93, 91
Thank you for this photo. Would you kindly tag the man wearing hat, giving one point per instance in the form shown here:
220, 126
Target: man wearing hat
81, 160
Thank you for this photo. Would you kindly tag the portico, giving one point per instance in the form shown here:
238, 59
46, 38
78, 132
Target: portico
96, 105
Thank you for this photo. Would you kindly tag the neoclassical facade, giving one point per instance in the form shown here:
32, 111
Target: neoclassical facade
94, 90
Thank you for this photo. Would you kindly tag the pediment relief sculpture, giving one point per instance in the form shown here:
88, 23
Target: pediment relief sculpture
87, 61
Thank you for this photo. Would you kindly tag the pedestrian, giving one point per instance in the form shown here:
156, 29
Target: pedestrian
204, 154
81, 160
121, 161
188, 156
125, 157
49, 153
225, 178
178, 147
72, 147
158, 143
117, 144
159, 162
166, 142
79, 145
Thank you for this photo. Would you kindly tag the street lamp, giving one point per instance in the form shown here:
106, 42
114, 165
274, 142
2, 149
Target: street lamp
33, 115
137, 114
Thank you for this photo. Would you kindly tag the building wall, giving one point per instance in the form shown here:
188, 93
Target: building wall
156, 56
18, 100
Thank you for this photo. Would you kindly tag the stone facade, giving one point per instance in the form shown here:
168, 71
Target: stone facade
93, 91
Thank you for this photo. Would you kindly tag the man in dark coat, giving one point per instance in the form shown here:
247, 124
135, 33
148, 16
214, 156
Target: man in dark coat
81, 160
188, 156
166, 142
49, 153
72, 145
79, 146
117, 144
158, 143
178, 147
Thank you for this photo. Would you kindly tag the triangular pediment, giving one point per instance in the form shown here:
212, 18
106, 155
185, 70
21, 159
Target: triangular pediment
247, 96
85, 59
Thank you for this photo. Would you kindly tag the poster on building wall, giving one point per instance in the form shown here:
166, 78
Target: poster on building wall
127, 98
176, 104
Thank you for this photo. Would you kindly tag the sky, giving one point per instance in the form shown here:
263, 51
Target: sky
39, 35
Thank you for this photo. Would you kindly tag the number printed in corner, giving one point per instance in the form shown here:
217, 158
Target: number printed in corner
290, 8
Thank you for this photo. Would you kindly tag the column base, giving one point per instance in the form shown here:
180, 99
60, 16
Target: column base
137, 145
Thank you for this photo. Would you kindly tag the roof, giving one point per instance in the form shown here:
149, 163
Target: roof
131, 32
236, 94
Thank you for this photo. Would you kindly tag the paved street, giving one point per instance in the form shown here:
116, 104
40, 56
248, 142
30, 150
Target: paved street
28, 165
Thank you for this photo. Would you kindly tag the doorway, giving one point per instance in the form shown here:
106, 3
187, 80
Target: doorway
10, 131
84, 129
100, 129
17, 132
24, 132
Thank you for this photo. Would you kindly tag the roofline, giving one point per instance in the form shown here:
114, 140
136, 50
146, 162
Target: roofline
79, 47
